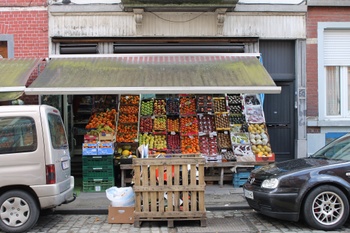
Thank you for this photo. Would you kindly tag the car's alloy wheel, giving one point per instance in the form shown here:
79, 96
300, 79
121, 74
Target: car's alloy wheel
18, 211
326, 208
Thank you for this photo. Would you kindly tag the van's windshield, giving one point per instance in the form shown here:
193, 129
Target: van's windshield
57, 133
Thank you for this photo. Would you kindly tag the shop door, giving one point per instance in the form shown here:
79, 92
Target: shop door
279, 118
279, 61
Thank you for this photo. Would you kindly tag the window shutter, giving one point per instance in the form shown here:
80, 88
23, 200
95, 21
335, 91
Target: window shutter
337, 47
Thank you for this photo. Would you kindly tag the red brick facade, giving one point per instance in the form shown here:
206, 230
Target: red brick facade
22, 3
27, 22
315, 15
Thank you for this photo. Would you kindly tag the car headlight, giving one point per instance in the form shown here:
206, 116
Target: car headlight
270, 183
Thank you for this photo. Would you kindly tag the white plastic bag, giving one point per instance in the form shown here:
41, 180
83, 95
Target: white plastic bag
121, 197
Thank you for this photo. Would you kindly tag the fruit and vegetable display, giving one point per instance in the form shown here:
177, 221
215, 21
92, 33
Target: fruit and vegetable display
173, 106
173, 124
255, 114
208, 145
189, 145
160, 142
147, 107
159, 123
224, 140
187, 105
146, 139
146, 124
259, 140
216, 126
159, 107
220, 104
173, 143
206, 123
222, 121
126, 152
102, 122
189, 125
239, 138
128, 119
129, 100
204, 103
234, 99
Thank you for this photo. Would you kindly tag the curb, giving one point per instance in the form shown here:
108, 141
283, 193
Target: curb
105, 211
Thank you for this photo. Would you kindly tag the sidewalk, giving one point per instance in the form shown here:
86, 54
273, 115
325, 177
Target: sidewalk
216, 198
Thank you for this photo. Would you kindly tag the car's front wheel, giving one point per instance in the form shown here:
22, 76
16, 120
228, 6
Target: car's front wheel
326, 208
18, 211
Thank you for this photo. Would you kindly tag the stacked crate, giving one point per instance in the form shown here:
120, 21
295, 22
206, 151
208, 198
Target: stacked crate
241, 175
240, 178
98, 173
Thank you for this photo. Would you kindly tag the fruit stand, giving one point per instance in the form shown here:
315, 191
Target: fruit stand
219, 128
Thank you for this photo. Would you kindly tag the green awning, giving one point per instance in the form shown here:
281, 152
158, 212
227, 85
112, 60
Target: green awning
14, 74
154, 73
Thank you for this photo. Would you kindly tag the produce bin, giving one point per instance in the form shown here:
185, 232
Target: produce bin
177, 195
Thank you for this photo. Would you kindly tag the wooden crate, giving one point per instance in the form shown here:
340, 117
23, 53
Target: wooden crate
155, 190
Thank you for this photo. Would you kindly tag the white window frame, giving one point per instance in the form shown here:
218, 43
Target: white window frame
322, 114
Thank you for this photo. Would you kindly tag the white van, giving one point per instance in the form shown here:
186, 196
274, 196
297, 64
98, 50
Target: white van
35, 171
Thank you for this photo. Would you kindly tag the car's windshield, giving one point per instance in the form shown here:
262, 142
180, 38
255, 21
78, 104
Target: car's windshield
338, 150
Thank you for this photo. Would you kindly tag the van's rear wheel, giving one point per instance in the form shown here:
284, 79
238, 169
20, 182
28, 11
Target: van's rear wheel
18, 211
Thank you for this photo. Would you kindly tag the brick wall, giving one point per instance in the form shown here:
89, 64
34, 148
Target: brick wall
22, 3
315, 15
30, 31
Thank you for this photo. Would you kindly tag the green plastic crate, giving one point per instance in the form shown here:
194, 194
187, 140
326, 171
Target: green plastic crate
97, 184
98, 160
98, 171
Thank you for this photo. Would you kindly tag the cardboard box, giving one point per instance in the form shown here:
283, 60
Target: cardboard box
106, 137
90, 138
89, 148
121, 214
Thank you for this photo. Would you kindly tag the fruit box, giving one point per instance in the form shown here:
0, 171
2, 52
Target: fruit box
105, 148
90, 138
120, 214
90, 148
270, 158
106, 137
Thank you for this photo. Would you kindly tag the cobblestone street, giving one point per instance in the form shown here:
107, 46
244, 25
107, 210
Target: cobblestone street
218, 221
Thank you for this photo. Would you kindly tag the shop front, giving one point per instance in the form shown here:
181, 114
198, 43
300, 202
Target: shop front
147, 105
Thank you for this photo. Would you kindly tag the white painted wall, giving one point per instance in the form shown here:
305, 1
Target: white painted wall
111, 24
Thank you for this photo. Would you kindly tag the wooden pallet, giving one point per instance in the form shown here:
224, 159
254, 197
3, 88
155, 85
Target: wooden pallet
170, 221
160, 181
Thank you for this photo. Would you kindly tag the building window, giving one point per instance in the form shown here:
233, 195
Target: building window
7, 46
334, 71
338, 91
3, 49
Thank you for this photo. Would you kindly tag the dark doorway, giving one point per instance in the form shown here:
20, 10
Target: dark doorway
279, 61
279, 118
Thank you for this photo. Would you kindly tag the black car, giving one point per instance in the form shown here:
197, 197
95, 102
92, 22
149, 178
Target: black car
315, 189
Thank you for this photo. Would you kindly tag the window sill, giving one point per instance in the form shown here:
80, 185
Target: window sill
314, 122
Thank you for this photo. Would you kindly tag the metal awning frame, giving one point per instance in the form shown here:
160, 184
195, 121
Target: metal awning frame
153, 90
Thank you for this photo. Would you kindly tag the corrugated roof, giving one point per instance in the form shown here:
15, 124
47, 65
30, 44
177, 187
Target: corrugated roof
161, 73
14, 76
